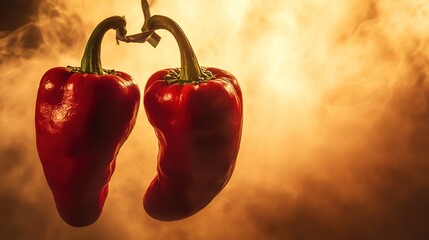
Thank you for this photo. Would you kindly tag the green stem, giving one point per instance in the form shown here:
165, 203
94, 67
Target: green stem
190, 69
91, 61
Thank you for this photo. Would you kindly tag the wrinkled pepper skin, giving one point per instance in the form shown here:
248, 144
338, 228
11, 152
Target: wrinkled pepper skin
198, 126
82, 120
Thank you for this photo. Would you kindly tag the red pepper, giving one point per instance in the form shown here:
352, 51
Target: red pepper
197, 116
83, 117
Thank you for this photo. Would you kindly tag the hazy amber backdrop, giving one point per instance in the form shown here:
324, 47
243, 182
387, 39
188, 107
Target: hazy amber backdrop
336, 117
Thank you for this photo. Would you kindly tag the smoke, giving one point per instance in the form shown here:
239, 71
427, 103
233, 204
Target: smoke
336, 98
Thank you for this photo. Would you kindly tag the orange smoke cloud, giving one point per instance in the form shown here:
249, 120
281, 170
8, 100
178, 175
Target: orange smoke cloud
335, 135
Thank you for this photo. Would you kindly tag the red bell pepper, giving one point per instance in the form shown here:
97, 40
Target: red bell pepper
83, 117
197, 116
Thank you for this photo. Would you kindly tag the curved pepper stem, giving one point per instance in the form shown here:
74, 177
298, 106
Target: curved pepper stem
190, 69
91, 61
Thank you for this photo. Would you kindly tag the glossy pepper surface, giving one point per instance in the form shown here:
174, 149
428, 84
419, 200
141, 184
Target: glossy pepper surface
197, 116
83, 117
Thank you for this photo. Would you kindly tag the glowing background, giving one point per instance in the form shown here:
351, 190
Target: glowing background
336, 126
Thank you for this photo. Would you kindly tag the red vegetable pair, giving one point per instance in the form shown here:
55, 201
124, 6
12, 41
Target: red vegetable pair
84, 115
